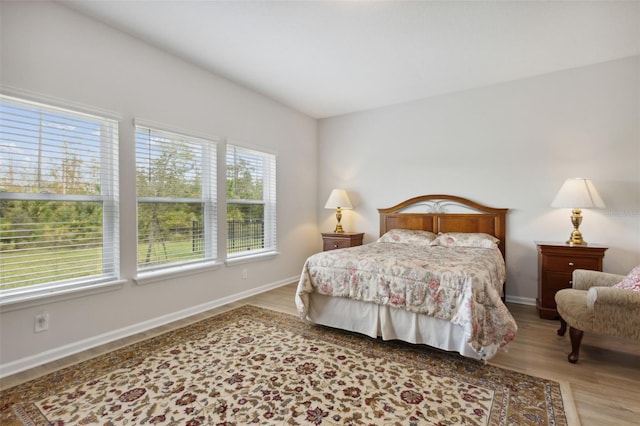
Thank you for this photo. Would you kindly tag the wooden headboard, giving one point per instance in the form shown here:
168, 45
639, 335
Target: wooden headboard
446, 213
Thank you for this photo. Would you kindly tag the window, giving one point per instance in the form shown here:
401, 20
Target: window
58, 198
176, 189
251, 201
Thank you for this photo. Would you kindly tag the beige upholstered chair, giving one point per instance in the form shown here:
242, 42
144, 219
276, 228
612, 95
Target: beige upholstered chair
592, 305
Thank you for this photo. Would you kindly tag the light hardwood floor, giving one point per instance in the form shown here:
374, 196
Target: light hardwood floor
605, 382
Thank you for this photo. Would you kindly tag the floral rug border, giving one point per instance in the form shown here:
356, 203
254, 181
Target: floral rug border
551, 397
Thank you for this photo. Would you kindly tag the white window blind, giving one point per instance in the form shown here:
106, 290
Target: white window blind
58, 197
176, 190
251, 201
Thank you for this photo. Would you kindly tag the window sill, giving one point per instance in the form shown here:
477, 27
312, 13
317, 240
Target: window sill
174, 272
30, 298
251, 258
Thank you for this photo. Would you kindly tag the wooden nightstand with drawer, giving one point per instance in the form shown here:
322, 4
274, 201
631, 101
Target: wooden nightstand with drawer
556, 263
335, 240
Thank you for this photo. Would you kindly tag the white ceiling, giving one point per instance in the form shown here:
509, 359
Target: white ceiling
327, 58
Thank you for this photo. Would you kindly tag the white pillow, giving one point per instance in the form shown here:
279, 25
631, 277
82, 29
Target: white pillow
466, 239
408, 236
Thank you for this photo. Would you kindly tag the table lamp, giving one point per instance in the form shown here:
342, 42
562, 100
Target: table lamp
338, 200
577, 193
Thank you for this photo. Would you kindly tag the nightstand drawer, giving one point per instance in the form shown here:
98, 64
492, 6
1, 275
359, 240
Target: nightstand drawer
334, 240
334, 243
554, 281
569, 263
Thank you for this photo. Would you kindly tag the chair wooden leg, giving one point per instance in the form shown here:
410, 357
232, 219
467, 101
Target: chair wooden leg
576, 339
563, 327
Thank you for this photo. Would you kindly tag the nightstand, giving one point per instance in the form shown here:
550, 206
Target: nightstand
556, 263
334, 240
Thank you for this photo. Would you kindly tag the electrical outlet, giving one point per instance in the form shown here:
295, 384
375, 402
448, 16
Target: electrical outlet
245, 273
41, 322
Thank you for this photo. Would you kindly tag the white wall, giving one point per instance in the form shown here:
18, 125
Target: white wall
50, 50
509, 146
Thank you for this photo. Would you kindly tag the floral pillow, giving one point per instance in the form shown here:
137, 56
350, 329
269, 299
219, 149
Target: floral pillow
408, 236
466, 239
631, 281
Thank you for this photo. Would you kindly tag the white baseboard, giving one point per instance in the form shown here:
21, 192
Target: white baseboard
521, 300
86, 344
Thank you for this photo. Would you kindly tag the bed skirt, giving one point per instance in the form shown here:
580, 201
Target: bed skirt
389, 323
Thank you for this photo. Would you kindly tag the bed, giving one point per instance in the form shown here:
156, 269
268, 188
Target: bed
435, 276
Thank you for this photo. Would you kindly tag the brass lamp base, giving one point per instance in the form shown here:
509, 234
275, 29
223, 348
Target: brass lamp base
338, 229
575, 239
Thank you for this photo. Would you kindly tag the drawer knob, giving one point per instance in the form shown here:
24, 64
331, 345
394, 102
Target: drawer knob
335, 246
570, 263
571, 282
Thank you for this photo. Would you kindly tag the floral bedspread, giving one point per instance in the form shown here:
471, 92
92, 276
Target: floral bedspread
458, 284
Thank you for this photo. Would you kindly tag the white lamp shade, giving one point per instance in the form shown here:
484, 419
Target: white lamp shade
338, 198
577, 193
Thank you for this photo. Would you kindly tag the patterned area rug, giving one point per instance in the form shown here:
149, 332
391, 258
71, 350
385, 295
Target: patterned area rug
255, 366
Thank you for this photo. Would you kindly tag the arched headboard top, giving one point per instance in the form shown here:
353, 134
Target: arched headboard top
446, 213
